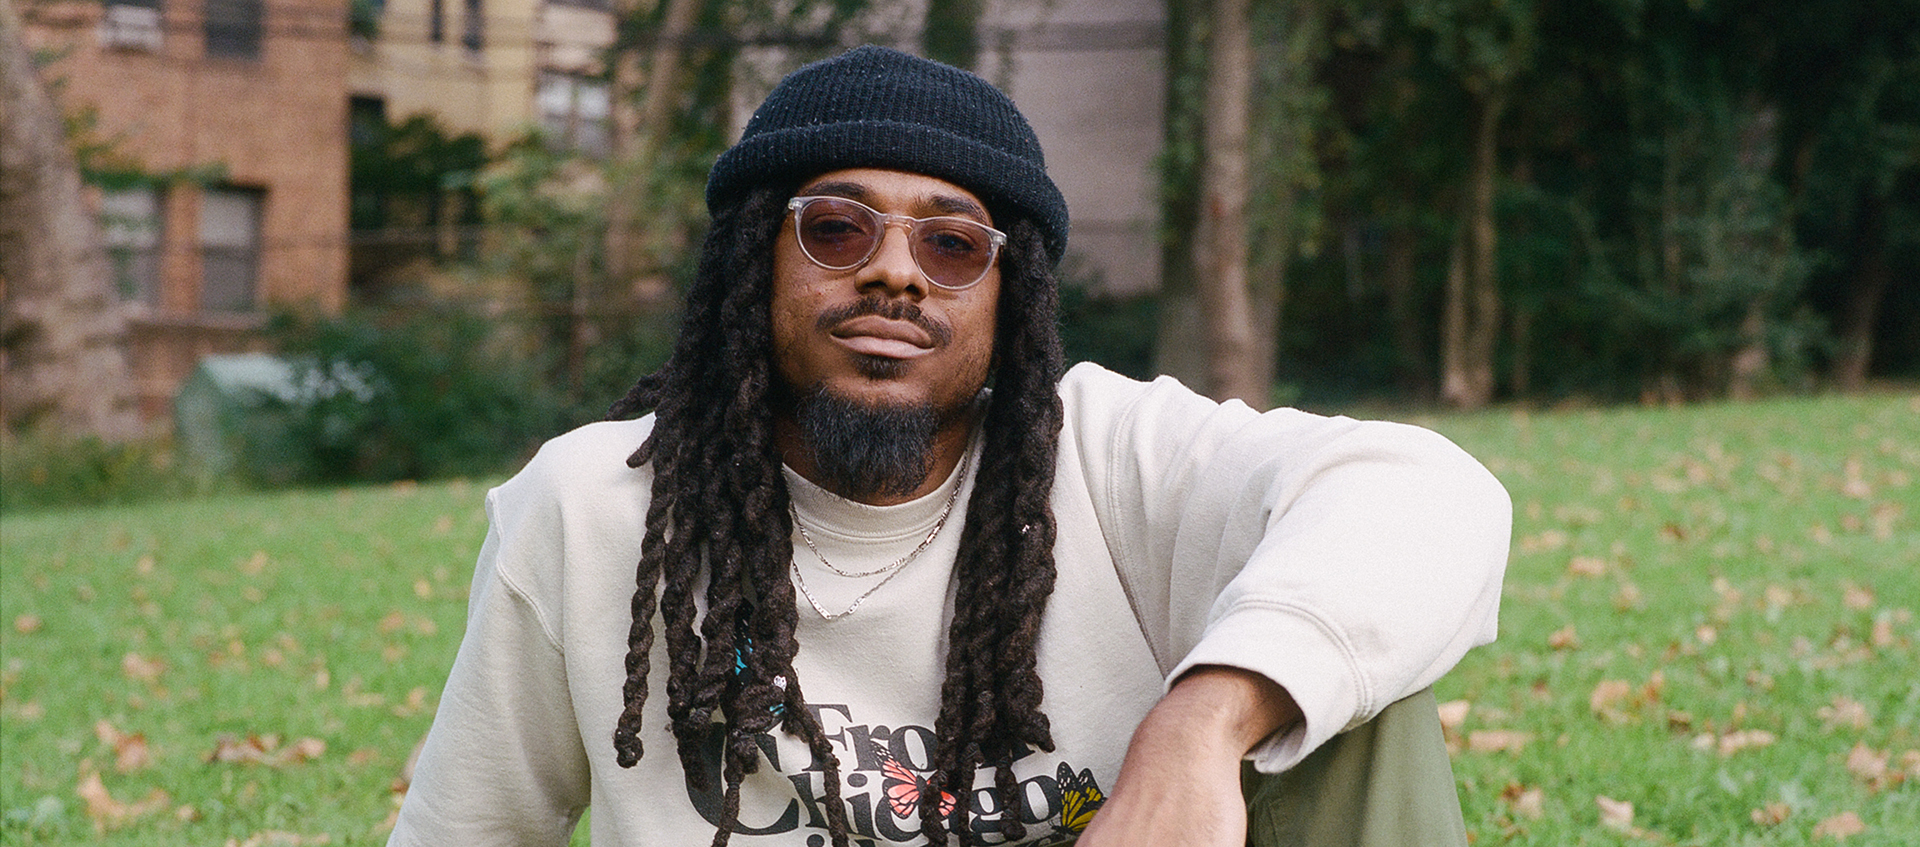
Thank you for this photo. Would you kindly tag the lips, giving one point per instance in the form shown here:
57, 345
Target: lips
874, 335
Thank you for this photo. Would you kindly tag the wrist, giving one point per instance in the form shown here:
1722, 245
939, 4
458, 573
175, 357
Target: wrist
1225, 709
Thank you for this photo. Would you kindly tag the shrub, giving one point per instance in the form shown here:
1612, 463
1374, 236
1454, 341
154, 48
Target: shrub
426, 392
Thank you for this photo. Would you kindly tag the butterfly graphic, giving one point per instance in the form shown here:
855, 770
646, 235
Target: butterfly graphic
903, 789
1080, 797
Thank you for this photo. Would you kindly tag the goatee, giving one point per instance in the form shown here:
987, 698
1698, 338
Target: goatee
864, 452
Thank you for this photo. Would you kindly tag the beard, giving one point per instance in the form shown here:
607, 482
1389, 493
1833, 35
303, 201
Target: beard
865, 451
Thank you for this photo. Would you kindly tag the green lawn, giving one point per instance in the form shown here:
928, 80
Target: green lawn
1709, 616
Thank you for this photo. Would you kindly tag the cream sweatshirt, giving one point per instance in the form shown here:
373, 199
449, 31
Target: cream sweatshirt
1350, 562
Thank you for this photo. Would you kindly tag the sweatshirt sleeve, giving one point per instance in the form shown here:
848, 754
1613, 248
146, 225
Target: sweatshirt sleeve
503, 763
1353, 563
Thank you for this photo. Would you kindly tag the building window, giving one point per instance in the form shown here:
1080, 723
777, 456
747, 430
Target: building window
233, 28
131, 25
132, 221
573, 112
437, 21
230, 249
473, 35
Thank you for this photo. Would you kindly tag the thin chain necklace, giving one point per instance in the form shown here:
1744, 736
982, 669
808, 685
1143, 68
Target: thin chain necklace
891, 570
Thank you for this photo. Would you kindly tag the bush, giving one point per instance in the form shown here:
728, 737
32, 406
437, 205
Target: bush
422, 393
40, 469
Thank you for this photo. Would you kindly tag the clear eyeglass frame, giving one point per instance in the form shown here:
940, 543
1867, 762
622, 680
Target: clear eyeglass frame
995, 238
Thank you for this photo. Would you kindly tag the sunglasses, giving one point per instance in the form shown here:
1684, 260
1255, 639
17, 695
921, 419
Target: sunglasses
839, 234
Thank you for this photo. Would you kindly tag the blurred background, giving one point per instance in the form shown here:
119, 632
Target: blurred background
289, 241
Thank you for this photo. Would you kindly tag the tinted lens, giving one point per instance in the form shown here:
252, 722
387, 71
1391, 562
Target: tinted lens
952, 252
836, 233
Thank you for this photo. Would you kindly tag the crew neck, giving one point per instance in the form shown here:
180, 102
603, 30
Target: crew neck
828, 514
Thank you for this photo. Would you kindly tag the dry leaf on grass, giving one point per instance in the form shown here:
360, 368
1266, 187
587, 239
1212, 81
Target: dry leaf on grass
1498, 740
1564, 638
1840, 826
107, 812
1453, 714
276, 838
1746, 739
27, 624
142, 669
130, 750
1871, 767
1591, 566
1526, 801
1616, 815
266, 750
1772, 814
1845, 712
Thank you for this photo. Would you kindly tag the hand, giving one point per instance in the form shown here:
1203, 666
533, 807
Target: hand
1180, 782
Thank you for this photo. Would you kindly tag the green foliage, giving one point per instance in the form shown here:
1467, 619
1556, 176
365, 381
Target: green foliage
41, 469
410, 172
425, 393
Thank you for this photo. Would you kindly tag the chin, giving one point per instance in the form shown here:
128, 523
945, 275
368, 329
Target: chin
880, 367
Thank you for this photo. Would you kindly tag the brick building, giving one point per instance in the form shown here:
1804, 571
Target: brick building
227, 121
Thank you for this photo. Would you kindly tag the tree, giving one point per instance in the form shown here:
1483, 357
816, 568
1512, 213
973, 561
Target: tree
62, 336
1489, 46
1236, 366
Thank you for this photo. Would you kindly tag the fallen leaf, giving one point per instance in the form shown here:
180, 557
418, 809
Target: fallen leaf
1607, 695
1843, 825
265, 750
107, 812
142, 669
1616, 815
1564, 638
1772, 814
1627, 596
255, 564
1453, 714
27, 624
130, 751
1869, 765
1498, 740
1590, 566
394, 621
1734, 742
276, 838
1845, 712
1526, 802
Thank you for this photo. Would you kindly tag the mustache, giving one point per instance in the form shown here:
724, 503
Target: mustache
891, 309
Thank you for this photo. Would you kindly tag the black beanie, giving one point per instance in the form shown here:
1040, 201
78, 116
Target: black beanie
872, 107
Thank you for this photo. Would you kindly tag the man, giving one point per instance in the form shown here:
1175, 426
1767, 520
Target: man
898, 578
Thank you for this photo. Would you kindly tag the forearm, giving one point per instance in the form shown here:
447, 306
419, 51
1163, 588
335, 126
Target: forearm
1180, 781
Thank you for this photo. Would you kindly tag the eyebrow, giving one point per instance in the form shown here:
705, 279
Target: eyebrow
947, 204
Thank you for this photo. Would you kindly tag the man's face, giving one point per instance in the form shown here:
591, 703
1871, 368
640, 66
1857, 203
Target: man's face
880, 335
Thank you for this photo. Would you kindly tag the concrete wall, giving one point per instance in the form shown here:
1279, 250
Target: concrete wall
1090, 76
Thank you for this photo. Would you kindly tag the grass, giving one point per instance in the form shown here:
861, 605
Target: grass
1709, 616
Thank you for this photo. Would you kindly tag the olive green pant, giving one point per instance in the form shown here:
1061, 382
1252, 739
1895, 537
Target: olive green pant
1386, 783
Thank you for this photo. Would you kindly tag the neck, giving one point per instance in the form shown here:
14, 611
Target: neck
949, 446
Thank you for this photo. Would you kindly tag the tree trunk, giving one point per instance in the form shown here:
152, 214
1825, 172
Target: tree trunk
1862, 309
638, 134
63, 336
1471, 321
1179, 321
1235, 366
1403, 311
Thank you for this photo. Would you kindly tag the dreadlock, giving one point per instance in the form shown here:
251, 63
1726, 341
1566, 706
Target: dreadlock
720, 504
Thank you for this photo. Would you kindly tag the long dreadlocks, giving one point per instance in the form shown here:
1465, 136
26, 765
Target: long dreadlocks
719, 505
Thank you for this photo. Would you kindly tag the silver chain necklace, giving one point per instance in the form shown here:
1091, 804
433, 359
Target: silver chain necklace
891, 570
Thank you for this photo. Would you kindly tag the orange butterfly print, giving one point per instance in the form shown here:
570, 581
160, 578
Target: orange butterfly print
904, 788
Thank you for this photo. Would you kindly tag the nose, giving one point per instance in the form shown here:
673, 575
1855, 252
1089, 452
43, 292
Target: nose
892, 266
